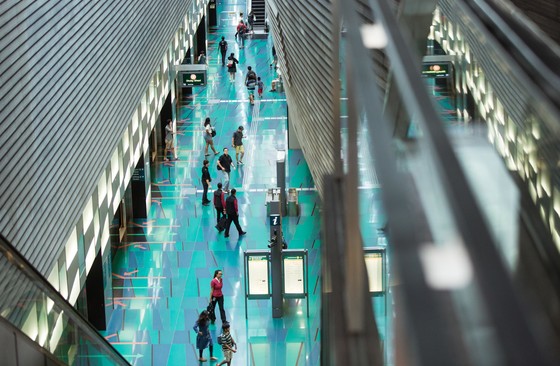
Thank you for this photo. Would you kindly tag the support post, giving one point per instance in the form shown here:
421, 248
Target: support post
281, 178
275, 212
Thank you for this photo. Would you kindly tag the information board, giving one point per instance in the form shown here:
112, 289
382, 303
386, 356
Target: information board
294, 272
374, 259
193, 78
257, 274
437, 70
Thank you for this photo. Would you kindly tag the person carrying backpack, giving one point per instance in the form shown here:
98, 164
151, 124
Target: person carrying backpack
229, 347
222, 46
241, 31
251, 83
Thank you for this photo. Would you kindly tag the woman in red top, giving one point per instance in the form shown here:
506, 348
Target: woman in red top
216, 296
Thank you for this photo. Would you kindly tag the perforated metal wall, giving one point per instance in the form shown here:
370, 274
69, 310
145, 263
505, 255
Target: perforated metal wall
74, 85
308, 60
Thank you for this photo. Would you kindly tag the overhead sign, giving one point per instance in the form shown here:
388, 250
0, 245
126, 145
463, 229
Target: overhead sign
374, 259
189, 75
294, 267
437, 70
257, 273
195, 78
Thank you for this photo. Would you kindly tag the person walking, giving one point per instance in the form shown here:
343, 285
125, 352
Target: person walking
220, 206
232, 68
251, 20
169, 140
237, 143
203, 336
205, 183
241, 32
251, 83
216, 296
260, 86
222, 46
225, 164
241, 20
229, 347
209, 133
232, 211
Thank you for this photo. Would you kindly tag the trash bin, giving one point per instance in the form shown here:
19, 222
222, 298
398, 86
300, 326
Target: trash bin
280, 86
272, 201
293, 209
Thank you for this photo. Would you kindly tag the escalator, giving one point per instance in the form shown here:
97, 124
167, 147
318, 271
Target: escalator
38, 326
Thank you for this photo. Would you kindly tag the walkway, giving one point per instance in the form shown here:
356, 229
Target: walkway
162, 272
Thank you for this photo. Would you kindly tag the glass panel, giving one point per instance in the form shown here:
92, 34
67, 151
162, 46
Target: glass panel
33, 306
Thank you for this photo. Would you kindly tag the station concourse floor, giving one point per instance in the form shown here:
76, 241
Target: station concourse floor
163, 268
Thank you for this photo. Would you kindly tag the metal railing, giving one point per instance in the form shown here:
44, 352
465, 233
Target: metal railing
477, 319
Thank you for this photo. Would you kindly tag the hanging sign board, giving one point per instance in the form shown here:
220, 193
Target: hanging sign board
294, 271
190, 79
437, 70
190, 75
375, 259
257, 275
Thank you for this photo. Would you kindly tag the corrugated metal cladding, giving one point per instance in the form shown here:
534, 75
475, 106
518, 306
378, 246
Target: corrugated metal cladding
305, 44
72, 73
509, 90
545, 13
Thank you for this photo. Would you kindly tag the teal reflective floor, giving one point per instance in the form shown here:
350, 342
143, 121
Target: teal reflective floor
162, 271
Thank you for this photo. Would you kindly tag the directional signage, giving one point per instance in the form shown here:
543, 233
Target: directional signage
274, 220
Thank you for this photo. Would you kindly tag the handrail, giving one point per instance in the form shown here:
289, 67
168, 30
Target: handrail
504, 310
37, 281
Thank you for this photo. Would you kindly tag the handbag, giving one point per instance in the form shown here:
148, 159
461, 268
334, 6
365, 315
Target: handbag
213, 132
210, 310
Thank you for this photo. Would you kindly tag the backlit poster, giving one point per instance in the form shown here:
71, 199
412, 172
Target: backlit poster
293, 275
258, 275
374, 265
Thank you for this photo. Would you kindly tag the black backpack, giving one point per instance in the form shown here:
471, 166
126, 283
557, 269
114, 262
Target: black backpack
223, 46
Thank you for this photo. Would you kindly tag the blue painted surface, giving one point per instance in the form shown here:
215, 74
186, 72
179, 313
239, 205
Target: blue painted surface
162, 271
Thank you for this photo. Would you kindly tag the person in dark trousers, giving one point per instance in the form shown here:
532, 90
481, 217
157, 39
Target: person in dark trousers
232, 68
205, 183
225, 164
251, 83
216, 295
232, 214
251, 20
203, 336
222, 46
219, 205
